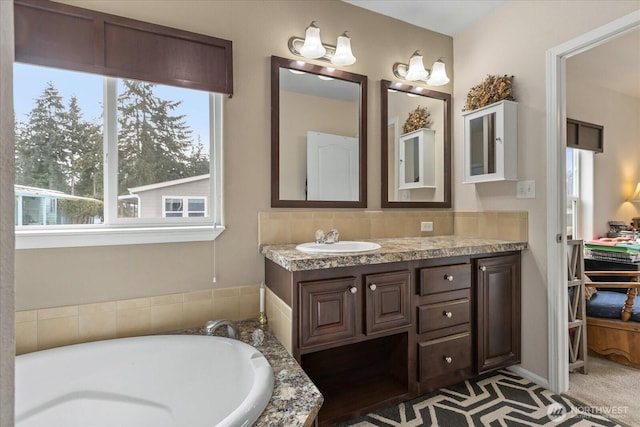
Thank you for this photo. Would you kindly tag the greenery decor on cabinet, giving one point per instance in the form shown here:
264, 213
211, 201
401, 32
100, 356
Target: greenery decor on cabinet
418, 119
493, 89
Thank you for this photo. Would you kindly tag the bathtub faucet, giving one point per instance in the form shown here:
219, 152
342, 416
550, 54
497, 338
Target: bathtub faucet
232, 328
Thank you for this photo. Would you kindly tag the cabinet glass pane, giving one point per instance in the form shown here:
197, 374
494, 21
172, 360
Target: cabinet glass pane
482, 143
412, 160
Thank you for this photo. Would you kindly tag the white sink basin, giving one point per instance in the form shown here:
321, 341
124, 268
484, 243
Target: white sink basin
336, 248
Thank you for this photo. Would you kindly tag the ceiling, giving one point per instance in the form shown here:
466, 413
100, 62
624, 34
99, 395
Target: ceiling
442, 16
614, 65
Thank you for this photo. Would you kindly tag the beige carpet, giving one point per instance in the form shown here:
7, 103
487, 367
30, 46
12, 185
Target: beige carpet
609, 387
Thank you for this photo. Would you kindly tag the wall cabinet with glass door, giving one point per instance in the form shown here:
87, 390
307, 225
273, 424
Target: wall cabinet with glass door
491, 143
416, 160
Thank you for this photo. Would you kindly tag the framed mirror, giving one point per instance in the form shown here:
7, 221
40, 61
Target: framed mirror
318, 136
416, 146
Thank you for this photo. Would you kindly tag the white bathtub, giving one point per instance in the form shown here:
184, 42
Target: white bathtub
163, 380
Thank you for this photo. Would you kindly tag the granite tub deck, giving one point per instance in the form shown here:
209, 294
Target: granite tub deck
295, 400
392, 250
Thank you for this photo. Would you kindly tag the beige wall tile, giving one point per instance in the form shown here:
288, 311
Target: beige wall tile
97, 326
26, 337
56, 332
197, 313
167, 299
198, 296
129, 304
133, 322
101, 307
226, 308
226, 293
56, 312
353, 227
166, 318
26, 316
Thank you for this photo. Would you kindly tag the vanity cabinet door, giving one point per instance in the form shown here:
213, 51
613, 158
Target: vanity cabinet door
328, 311
498, 318
388, 303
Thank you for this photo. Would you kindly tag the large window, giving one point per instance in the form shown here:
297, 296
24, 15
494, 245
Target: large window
98, 154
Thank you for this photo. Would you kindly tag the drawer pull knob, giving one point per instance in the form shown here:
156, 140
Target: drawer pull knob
353, 289
483, 268
448, 359
372, 286
447, 314
448, 277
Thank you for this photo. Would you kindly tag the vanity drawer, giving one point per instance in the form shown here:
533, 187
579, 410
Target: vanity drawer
442, 315
446, 278
444, 356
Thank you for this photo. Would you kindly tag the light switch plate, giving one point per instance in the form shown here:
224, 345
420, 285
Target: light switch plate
526, 189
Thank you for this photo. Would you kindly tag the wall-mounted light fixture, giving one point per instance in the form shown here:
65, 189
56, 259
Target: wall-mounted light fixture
415, 71
635, 197
311, 47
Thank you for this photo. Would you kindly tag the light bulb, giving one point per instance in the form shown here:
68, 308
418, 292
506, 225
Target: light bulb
343, 55
438, 74
416, 69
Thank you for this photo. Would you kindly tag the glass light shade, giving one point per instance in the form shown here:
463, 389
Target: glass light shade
416, 69
635, 198
438, 75
343, 54
312, 47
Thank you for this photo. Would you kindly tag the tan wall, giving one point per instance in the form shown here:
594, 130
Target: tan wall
513, 40
258, 29
617, 169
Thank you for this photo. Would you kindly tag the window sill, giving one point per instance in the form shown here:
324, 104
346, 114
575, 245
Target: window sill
69, 238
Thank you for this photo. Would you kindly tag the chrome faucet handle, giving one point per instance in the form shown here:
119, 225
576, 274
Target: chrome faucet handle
320, 238
332, 236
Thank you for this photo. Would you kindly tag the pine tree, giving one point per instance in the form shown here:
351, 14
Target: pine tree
84, 148
153, 144
40, 144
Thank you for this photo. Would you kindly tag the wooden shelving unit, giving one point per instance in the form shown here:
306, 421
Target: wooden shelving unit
577, 313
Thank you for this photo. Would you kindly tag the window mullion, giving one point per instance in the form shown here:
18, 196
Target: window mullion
110, 150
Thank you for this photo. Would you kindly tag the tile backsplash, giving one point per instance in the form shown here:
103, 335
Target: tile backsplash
54, 327
300, 226
297, 227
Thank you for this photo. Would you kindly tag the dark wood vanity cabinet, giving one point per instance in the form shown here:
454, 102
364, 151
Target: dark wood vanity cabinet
498, 316
444, 331
373, 335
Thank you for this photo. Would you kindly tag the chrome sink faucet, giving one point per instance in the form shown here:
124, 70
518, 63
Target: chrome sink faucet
232, 328
331, 237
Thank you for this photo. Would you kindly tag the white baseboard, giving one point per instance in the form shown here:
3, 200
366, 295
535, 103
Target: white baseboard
525, 373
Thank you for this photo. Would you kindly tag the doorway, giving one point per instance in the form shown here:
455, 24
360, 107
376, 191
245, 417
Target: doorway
556, 195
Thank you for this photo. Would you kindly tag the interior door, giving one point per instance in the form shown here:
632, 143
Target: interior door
332, 167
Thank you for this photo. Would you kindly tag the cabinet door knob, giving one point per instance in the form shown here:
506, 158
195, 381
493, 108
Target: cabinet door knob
448, 277
448, 359
447, 314
372, 286
483, 268
353, 289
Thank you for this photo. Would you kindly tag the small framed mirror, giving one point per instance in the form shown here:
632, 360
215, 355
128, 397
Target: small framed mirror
318, 136
416, 146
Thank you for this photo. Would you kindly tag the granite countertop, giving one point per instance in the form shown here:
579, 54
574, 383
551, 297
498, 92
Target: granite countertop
295, 400
392, 250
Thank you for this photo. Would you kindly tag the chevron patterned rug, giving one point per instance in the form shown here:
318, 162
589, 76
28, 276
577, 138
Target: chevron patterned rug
497, 399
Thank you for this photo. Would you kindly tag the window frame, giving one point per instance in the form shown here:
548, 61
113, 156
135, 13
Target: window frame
126, 231
573, 195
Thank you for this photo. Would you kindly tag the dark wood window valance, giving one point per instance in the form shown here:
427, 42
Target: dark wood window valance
585, 136
73, 38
